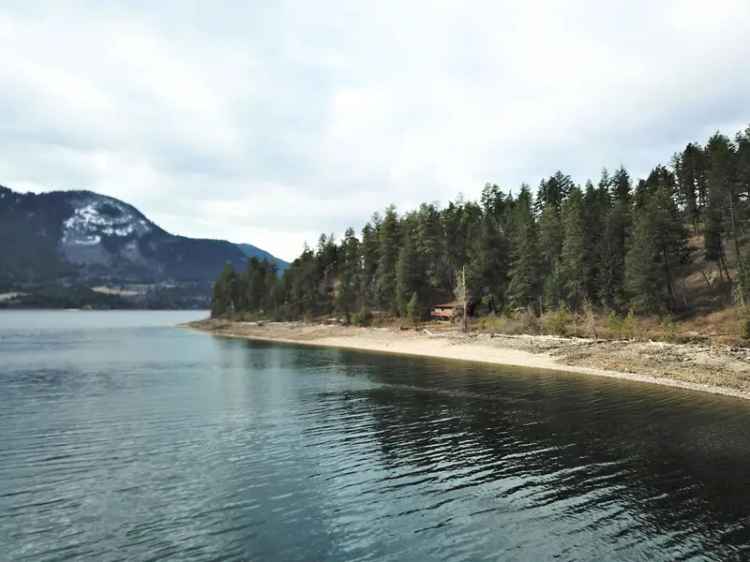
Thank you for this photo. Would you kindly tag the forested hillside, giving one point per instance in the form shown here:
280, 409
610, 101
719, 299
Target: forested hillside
616, 245
79, 248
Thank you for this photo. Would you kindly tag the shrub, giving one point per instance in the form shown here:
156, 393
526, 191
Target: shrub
614, 323
745, 326
493, 323
529, 321
629, 325
558, 322
623, 328
590, 319
669, 329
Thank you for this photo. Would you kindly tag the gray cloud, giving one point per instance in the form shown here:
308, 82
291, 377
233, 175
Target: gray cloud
272, 122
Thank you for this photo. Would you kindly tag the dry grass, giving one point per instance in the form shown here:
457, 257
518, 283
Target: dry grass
723, 326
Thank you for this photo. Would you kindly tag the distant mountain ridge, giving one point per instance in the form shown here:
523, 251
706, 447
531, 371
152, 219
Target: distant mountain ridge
82, 237
254, 252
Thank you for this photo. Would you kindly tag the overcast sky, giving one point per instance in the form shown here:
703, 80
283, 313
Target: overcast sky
270, 122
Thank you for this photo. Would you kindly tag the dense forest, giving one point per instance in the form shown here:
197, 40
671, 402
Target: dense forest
614, 245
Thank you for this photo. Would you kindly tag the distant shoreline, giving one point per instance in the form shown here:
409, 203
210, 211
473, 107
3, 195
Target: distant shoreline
715, 370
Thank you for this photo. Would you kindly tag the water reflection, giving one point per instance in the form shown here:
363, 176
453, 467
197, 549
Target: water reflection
635, 467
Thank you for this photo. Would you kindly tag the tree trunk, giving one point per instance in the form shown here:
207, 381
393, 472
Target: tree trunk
466, 319
668, 278
741, 276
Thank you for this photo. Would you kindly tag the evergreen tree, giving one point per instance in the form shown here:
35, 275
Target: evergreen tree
409, 273
659, 220
644, 281
270, 282
324, 274
389, 250
691, 181
595, 209
550, 240
370, 260
430, 246
621, 187
723, 206
523, 288
614, 244
613, 249
349, 276
489, 262
225, 293
494, 202
742, 142
459, 220
302, 285
572, 264
553, 191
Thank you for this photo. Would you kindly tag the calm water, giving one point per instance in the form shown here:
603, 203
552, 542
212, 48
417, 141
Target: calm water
124, 438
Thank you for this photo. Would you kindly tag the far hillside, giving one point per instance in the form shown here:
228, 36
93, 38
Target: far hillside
664, 256
74, 249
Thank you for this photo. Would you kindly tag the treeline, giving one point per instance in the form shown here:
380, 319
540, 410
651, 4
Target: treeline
612, 245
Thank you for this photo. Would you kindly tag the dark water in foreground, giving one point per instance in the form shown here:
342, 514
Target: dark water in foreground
122, 438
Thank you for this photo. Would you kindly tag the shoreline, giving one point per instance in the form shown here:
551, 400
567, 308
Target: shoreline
550, 353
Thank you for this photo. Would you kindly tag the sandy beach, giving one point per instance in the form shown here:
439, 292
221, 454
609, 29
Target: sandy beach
714, 369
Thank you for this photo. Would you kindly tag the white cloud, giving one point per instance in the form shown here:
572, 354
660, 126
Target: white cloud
271, 123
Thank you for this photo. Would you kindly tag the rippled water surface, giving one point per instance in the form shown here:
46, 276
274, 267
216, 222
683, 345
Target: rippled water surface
125, 438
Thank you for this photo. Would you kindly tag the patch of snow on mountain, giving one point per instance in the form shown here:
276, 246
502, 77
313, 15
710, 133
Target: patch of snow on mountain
97, 218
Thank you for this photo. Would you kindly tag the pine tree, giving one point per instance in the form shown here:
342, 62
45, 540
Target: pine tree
742, 141
409, 273
553, 191
550, 244
723, 206
572, 264
455, 234
644, 281
523, 288
621, 187
370, 260
324, 274
489, 261
459, 220
225, 293
494, 202
430, 245
659, 246
616, 233
389, 250
611, 281
349, 276
689, 168
596, 207
302, 285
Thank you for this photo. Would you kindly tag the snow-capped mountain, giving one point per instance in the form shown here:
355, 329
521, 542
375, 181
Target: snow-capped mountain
81, 236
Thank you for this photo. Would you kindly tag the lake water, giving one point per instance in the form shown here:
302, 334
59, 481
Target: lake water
123, 437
